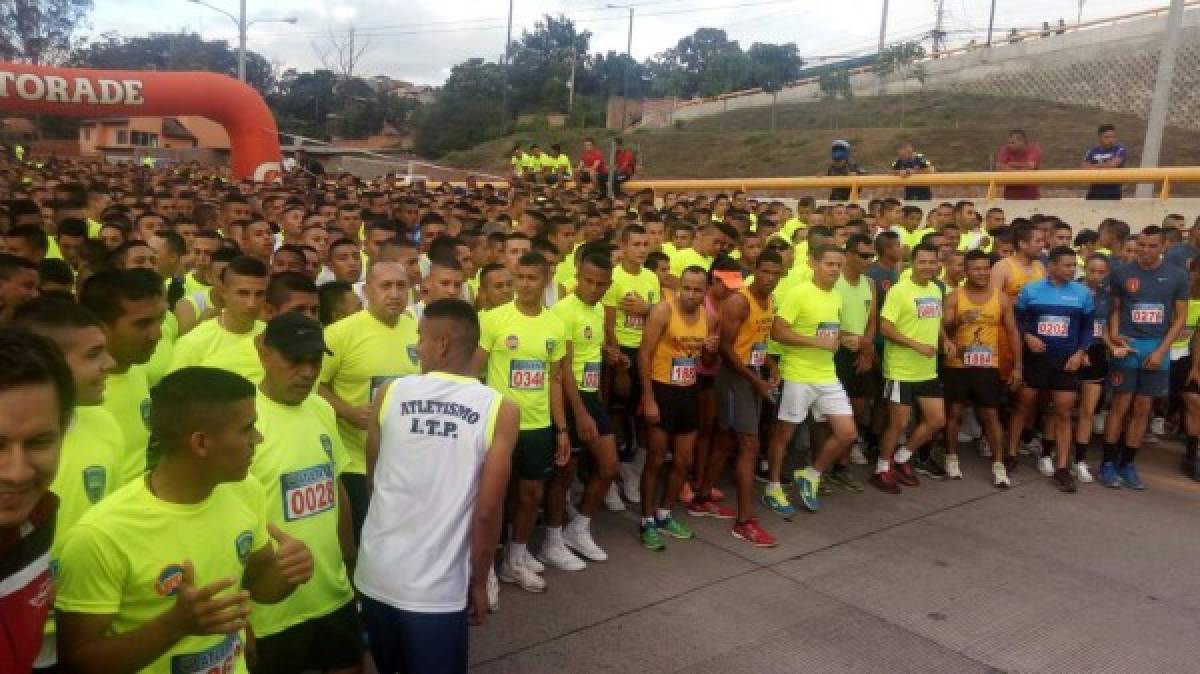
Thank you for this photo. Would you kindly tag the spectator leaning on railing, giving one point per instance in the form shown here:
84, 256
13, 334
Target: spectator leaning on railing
1018, 154
1108, 154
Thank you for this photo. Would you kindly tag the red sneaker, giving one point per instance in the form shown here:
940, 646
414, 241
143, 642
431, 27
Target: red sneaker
686, 493
750, 532
885, 482
710, 508
905, 474
716, 494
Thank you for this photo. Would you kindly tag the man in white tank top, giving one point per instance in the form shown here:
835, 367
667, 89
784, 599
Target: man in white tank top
439, 452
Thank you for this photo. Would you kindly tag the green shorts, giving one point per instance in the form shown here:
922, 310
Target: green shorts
533, 457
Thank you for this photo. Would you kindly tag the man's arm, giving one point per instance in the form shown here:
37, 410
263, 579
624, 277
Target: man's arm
656, 325
489, 505
891, 333
355, 414
1014, 335
999, 275
784, 334
373, 432
558, 414
1177, 325
273, 572
732, 314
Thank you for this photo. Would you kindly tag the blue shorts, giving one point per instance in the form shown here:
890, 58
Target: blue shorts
1128, 376
405, 641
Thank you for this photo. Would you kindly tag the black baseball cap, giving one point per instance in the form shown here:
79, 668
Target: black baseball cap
294, 335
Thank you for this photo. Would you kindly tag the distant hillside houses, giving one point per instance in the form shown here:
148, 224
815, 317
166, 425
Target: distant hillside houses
420, 93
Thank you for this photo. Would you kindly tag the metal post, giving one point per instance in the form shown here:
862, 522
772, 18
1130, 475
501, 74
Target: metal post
625, 75
507, 59
882, 40
939, 34
1162, 94
571, 85
991, 22
242, 42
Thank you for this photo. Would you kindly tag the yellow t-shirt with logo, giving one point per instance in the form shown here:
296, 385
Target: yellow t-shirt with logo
810, 311
127, 398
687, 258
125, 558
520, 351
88, 466
644, 284
584, 328
210, 345
916, 312
191, 284
297, 464
164, 352
366, 354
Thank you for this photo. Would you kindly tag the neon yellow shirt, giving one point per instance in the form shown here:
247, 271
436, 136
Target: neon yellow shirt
127, 398
124, 558
88, 467
688, 257
913, 238
53, 252
520, 351
164, 352
211, 345
916, 312
563, 163
191, 284
93, 228
366, 354
298, 463
629, 327
810, 311
788, 230
584, 328
564, 273
1182, 346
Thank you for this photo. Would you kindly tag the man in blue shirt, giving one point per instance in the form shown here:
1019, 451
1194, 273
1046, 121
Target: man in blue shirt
1109, 154
1054, 316
1148, 308
1182, 253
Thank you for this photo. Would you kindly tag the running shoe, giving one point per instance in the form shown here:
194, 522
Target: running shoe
842, 477
777, 500
533, 562
578, 537
1045, 466
762, 473
928, 467
631, 483
985, 450
856, 454
715, 494
1063, 480
1082, 474
651, 539
1010, 464
1108, 475
885, 482
808, 491
905, 474
1000, 476
953, 471
612, 499
1129, 476
710, 508
686, 493
558, 556
674, 528
527, 579
493, 590
751, 532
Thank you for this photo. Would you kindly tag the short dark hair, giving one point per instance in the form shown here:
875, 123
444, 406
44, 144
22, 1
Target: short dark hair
282, 285
1059, 251
532, 259
244, 265
655, 258
32, 235
328, 297
73, 227
768, 256
924, 247
977, 254
27, 359
855, 241
1105, 128
11, 264
104, 292
45, 315
1151, 230
56, 270
192, 399
465, 318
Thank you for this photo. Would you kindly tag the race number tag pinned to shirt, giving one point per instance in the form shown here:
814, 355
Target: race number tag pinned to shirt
758, 354
683, 371
217, 660
978, 356
635, 321
828, 329
591, 376
1053, 326
307, 492
929, 307
1148, 314
1098, 329
527, 375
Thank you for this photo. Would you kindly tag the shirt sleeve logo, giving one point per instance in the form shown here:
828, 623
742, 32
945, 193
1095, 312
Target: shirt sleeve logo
242, 544
168, 581
1133, 284
144, 410
512, 342
587, 332
94, 480
327, 445
550, 346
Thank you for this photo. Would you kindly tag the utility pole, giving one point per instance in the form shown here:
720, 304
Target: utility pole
625, 78
1079, 14
939, 35
243, 26
571, 85
507, 66
991, 22
1161, 101
882, 41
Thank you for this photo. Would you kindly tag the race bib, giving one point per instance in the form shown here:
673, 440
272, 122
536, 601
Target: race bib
929, 307
1053, 326
758, 354
978, 356
527, 375
828, 329
307, 492
591, 376
635, 321
683, 371
1098, 329
1148, 314
220, 659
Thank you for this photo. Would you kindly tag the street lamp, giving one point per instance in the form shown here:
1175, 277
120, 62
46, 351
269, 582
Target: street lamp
242, 25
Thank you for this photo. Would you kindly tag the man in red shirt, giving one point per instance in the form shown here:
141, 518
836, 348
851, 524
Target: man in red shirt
37, 393
625, 163
592, 168
1018, 154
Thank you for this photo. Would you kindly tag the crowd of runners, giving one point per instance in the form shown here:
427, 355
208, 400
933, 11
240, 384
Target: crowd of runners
243, 425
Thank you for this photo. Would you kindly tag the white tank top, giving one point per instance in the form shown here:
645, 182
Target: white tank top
435, 430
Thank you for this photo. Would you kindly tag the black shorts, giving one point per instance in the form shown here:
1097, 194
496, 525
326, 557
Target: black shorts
631, 402
857, 385
1044, 374
979, 386
1179, 374
359, 497
1096, 371
907, 392
678, 408
706, 382
595, 407
332, 641
533, 457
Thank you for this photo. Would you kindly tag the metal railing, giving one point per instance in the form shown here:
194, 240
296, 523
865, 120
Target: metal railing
1164, 178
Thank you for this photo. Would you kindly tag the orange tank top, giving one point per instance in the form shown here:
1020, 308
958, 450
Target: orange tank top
977, 341
750, 345
1019, 277
679, 349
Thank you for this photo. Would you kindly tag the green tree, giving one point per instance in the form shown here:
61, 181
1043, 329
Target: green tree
900, 61
705, 63
541, 65
176, 52
835, 84
771, 67
464, 113
40, 31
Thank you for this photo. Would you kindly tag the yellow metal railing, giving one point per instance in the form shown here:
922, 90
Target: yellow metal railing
1164, 178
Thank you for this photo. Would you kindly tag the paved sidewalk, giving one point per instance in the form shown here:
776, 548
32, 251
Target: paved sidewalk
951, 576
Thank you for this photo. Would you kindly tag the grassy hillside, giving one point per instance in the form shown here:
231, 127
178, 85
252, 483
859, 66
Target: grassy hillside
957, 132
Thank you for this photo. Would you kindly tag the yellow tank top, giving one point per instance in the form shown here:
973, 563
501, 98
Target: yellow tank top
977, 341
751, 342
1019, 277
679, 349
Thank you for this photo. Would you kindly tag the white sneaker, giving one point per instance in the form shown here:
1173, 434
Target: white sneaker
612, 499
1045, 466
533, 563
856, 454
952, 470
1082, 473
493, 590
1033, 447
1000, 476
985, 450
579, 538
523, 576
570, 509
1158, 426
631, 483
558, 556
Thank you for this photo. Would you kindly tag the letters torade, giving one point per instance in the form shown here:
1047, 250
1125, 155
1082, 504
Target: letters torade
56, 89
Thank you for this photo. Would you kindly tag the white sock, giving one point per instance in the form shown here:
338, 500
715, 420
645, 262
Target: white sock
516, 553
662, 514
881, 466
903, 455
553, 536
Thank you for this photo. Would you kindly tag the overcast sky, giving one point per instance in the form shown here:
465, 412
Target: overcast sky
420, 40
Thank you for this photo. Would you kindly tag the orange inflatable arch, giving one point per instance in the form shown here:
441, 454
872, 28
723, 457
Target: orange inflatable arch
82, 92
